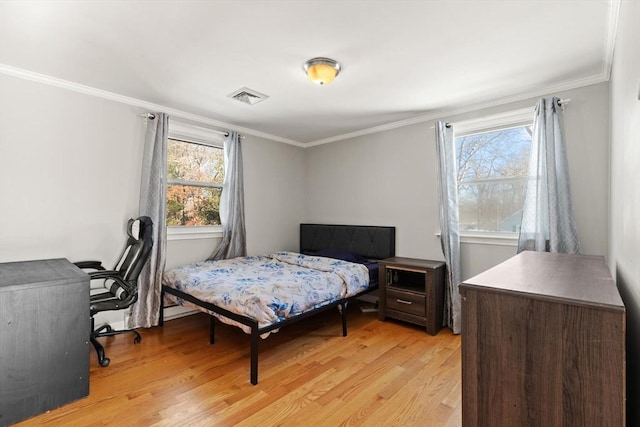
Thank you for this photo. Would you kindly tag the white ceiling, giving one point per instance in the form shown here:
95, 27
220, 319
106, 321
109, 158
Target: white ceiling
402, 60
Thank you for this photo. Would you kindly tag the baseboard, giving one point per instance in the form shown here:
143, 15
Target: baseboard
119, 325
177, 311
170, 313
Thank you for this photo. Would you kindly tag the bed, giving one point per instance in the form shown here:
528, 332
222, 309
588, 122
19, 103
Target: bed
261, 294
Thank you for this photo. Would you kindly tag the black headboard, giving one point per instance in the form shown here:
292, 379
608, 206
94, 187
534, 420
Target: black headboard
372, 242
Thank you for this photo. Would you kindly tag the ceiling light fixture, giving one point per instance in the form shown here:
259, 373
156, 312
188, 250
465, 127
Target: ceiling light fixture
321, 70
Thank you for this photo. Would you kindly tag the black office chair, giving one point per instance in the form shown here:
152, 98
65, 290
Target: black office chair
120, 285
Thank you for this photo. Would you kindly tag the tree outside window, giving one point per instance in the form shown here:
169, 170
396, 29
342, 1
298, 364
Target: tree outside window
195, 173
492, 177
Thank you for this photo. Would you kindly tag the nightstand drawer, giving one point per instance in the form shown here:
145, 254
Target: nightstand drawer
406, 302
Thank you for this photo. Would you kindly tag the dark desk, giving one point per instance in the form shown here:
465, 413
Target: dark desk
44, 335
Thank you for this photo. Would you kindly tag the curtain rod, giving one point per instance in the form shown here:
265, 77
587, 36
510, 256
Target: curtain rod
153, 116
562, 103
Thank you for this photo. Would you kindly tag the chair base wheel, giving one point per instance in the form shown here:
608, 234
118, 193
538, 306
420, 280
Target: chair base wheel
104, 362
137, 339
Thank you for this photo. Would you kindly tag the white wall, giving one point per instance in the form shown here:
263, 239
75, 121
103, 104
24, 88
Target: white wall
389, 178
386, 179
624, 258
274, 180
69, 172
70, 167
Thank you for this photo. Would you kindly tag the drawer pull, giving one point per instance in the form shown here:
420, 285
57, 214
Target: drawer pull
401, 301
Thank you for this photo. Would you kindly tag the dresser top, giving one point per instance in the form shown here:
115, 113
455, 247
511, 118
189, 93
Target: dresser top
572, 279
46, 272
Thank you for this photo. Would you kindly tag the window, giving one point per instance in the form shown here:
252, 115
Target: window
492, 159
195, 173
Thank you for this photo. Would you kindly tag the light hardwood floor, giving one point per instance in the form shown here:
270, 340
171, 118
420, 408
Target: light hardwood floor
382, 374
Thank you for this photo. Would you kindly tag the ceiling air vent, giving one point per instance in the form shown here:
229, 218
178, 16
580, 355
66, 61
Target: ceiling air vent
248, 96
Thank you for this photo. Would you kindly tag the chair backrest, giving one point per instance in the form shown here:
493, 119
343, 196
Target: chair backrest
137, 250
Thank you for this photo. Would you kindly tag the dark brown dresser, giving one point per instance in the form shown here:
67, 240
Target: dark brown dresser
44, 337
543, 344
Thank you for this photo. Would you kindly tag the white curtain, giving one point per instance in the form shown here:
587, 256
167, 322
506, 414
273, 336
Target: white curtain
153, 192
450, 236
548, 222
233, 242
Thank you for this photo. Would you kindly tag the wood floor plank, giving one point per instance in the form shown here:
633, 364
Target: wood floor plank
381, 374
418, 402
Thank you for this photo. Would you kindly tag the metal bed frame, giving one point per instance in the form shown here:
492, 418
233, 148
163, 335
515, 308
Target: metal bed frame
373, 242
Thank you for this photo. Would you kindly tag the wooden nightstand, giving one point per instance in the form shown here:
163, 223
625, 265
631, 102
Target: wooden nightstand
412, 290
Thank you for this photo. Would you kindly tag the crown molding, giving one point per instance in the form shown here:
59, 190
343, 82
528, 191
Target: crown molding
111, 96
612, 31
440, 114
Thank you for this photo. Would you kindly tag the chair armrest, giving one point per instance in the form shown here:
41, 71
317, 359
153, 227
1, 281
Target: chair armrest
108, 274
111, 275
95, 265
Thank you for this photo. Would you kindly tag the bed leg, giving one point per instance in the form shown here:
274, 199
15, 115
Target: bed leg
212, 329
343, 312
255, 340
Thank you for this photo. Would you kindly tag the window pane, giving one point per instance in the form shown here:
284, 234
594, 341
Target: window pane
188, 205
491, 206
492, 171
500, 153
194, 162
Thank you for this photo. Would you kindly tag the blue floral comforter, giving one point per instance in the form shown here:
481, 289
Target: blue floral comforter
269, 288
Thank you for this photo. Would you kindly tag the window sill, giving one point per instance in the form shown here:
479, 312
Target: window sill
191, 233
488, 238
